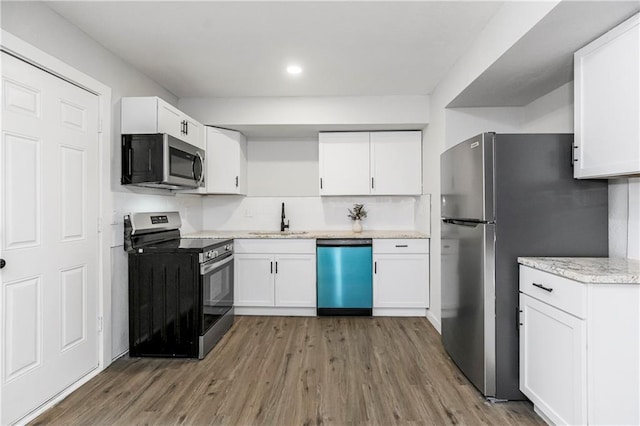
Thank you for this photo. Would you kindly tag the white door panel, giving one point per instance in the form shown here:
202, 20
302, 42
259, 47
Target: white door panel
23, 327
22, 190
49, 208
73, 312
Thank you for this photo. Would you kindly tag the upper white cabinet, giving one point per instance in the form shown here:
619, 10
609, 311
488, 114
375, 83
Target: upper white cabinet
344, 163
226, 171
607, 99
396, 163
146, 115
370, 163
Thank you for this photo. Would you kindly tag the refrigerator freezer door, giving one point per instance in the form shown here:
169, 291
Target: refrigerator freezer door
466, 176
468, 300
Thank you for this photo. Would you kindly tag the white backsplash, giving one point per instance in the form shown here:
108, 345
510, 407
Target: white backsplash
189, 206
225, 213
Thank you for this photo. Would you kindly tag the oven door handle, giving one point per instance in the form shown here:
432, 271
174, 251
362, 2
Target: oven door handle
205, 268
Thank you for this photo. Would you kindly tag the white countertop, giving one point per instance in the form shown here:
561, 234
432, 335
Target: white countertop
307, 234
598, 270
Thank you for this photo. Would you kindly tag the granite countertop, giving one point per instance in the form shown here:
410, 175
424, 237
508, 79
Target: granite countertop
598, 270
307, 234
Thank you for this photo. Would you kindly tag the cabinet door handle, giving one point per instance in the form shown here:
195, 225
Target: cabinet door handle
276, 267
130, 162
271, 267
186, 127
320, 183
372, 183
236, 181
549, 289
375, 267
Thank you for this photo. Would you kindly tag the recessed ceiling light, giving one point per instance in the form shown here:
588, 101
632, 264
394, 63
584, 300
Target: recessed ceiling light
294, 69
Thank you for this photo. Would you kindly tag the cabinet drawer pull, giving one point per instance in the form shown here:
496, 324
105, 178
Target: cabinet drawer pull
543, 287
402, 245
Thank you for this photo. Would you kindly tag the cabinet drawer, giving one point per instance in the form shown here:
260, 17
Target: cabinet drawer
393, 246
562, 293
275, 246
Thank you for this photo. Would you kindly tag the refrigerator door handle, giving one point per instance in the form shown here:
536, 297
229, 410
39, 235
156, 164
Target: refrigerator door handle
470, 223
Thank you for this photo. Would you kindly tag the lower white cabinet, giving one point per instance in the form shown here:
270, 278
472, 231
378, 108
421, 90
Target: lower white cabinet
253, 281
553, 352
400, 277
295, 279
579, 349
275, 274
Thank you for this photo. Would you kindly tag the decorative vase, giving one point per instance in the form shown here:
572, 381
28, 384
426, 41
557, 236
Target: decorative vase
357, 226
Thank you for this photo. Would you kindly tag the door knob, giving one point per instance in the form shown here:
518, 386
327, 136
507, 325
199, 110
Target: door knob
2, 263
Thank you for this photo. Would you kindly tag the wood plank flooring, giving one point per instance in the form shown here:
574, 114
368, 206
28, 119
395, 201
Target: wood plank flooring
295, 371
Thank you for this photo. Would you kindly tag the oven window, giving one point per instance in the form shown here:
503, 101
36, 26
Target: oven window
180, 163
217, 294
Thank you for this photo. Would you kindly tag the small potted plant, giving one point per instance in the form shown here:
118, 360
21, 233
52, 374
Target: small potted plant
356, 215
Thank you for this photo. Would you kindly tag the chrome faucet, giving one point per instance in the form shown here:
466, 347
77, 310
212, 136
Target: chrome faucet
283, 225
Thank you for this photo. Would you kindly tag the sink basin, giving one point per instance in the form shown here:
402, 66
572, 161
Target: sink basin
278, 233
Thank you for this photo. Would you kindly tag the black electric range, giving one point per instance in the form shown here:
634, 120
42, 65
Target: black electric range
180, 289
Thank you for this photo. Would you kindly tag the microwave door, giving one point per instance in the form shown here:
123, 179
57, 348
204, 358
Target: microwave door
183, 164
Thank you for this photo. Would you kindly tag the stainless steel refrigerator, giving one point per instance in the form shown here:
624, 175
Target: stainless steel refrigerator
504, 196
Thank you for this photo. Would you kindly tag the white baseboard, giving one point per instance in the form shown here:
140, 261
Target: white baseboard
58, 398
398, 312
284, 312
434, 321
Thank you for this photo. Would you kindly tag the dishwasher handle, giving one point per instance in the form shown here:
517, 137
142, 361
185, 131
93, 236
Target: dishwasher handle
352, 242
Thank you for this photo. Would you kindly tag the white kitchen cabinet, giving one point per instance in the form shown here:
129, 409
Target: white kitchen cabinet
275, 277
400, 277
226, 159
553, 354
146, 115
344, 163
607, 104
396, 163
579, 349
295, 277
370, 163
253, 281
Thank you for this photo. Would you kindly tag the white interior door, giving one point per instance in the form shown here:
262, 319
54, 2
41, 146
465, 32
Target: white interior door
49, 213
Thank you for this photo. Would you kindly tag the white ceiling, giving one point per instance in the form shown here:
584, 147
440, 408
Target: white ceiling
229, 49
347, 48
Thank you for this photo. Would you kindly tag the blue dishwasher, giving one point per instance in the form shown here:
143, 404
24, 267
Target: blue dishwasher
344, 277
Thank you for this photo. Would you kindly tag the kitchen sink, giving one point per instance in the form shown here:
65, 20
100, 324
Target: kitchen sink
278, 233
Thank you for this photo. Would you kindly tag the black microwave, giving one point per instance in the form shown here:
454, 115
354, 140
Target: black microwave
161, 161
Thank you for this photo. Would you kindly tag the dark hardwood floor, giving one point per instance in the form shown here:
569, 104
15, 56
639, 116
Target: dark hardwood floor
295, 371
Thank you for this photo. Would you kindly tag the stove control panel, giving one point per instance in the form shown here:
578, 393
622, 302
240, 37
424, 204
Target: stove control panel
212, 254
